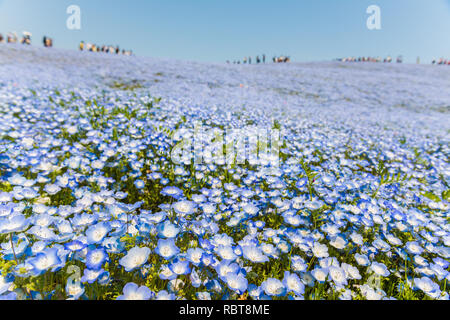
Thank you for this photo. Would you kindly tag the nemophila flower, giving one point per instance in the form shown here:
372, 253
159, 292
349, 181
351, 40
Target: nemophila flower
135, 258
95, 258
225, 266
351, 271
90, 276
167, 249
320, 274
393, 240
45, 260
194, 255
226, 252
429, 287
5, 284
96, 233
250, 209
443, 263
380, 269
175, 285
10, 296
362, 260
167, 230
164, 295
52, 189
15, 223
338, 275
298, 264
273, 287
173, 192
166, 273
254, 254
203, 295
414, 248
139, 184
371, 294
236, 282
320, 250
338, 242
180, 267
184, 207
132, 291
293, 283
195, 279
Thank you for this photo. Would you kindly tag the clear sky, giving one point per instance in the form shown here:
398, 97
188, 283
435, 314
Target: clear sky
219, 30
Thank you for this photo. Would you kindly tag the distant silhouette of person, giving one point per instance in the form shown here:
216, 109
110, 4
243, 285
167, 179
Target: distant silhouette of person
257, 59
1, 38
264, 58
81, 46
249, 60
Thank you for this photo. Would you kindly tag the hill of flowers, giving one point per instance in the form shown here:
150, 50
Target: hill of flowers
93, 204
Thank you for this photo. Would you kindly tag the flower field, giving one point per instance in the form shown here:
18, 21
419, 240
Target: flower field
96, 204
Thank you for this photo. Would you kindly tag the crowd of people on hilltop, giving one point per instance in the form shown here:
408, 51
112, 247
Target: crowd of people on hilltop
388, 59
106, 49
11, 37
441, 61
262, 59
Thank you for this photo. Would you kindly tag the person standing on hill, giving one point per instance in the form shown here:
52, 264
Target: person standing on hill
1, 38
264, 58
81, 46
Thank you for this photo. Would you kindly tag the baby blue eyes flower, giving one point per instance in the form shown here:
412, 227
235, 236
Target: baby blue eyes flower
203, 295
9, 296
273, 287
320, 250
380, 269
167, 249
5, 284
173, 192
236, 282
414, 248
135, 258
45, 260
52, 189
16, 223
362, 260
320, 274
254, 254
293, 283
298, 264
180, 267
429, 287
164, 295
96, 233
132, 291
168, 230
90, 276
96, 258
337, 275
139, 184
184, 207
75, 246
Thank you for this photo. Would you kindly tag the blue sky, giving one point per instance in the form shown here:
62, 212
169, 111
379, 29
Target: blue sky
219, 30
